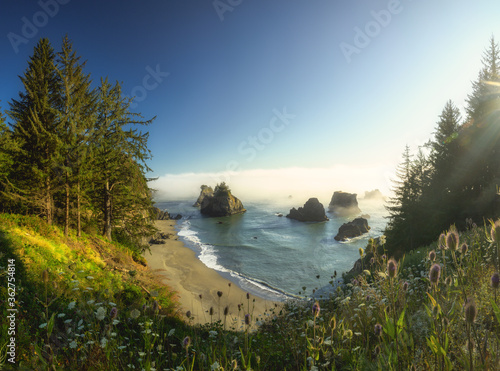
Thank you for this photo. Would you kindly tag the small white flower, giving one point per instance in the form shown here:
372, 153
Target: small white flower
212, 334
113, 334
104, 341
112, 304
101, 313
135, 314
115, 322
90, 277
122, 347
215, 366
76, 289
90, 302
171, 332
43, 325
71, 305
141, 354
73, 344
61, 315
68, 321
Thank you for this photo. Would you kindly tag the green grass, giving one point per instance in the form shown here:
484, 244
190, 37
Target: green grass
377, 321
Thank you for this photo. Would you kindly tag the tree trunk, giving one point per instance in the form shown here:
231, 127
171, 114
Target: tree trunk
66, 216
78, 222
107, 211
48, 201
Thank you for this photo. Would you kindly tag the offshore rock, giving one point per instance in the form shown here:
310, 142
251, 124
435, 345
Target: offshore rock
205, 191
352, 229
221, 204
344, 204
313, 211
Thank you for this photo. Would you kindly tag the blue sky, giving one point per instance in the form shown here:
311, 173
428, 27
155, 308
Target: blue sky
257, 89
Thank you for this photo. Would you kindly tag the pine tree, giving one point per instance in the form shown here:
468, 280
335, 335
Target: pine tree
35, 128
76, 116
119, 159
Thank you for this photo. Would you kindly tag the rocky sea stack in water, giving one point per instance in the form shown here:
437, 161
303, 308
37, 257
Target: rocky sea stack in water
344, 204
312, 211
205, 191
352, 229
221, 202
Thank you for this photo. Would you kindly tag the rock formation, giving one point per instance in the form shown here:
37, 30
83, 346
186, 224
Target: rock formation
312, 211
221, 203
162, 214
205, 191
352, 229
374, 195
344, 204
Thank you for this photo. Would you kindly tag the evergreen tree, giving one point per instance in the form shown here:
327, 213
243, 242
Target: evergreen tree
76, 116
35, 128
119, 159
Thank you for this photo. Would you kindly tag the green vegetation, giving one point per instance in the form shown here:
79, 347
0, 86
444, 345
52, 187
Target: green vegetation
456, 175
71, 153
222, 189
95, 308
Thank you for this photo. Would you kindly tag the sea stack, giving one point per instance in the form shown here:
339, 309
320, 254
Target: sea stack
205, 191
352, 229
344, 204
221, 202
313, 211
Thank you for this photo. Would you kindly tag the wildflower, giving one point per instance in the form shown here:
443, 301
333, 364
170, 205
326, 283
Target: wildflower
392, 268
372, 261
45, 276
452, 240
464, 248
90, 302
68, 321
186, 342
100, 313
155, 306
432, 256
434, 273
384, 257
171, 332
215, 366
211, 311
315, 309
134, 314
247, 319
378, 329
43, 325
90, 277
104, 341
248, 296
219, 293
495, 231
213, 334
226, 310
405, 286
71, 305
382, 240
113, 313
73, 344
470, 311
361, 252
442, 241
60, 315
495, 280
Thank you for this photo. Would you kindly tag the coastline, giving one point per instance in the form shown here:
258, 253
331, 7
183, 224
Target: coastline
190, 278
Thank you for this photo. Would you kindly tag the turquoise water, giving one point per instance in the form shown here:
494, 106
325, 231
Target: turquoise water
270, 256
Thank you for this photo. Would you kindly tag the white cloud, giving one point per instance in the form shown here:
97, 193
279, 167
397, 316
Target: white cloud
278, 184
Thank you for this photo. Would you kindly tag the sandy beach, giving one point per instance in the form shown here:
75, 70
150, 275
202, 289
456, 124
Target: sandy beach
190, 278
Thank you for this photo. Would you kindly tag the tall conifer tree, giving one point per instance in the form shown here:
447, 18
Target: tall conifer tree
35, 127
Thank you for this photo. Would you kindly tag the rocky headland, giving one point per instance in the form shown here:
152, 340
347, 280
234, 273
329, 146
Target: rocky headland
221, 203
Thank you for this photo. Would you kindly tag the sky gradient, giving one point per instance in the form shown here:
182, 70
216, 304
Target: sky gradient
262, 89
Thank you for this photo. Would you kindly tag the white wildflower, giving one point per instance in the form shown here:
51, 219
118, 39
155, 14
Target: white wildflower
43, 325
171, 332
90, 277
73, 344
90, 302
71, 305
104, 341
68, 321
215, 366
61, 315
135, 314
100, 313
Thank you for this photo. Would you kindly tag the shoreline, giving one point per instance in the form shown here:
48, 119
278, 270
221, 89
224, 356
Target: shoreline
181, 269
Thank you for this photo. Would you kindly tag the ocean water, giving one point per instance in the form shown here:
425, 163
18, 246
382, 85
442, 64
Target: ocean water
270, 256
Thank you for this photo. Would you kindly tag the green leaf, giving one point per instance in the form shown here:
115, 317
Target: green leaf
496, 310
433, 301
50, 325
400, 321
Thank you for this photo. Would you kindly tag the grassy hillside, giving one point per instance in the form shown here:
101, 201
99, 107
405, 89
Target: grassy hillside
87, 304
